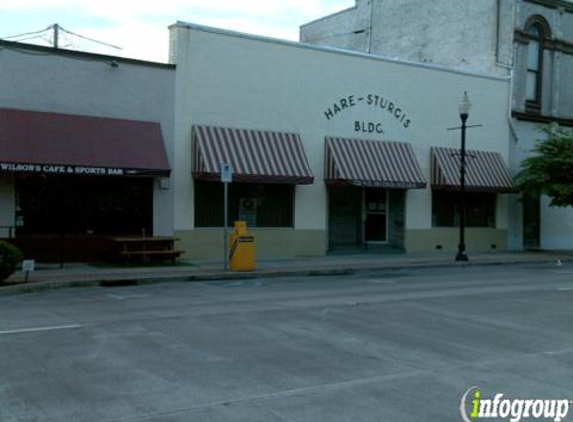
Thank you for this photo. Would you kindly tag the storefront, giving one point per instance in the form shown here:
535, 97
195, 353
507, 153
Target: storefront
77, 180
266, 166
359, 171
86, 150
367, 183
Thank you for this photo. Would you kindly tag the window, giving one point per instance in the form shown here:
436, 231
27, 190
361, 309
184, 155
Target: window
480, 209
84, 205
260, 205
536, 30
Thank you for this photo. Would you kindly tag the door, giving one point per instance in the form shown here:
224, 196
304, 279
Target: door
376, 215
531, 221
345, 205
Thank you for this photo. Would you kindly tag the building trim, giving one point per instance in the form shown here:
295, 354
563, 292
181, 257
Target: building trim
333, 50
538, 118
562, 46
25, 48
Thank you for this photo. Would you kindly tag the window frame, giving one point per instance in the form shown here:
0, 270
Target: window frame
211, 190
451, 204
543, 32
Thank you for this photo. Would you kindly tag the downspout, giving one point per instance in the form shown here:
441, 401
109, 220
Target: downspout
509, 67
369, 47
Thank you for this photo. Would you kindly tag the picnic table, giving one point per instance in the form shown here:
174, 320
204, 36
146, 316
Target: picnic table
146, 247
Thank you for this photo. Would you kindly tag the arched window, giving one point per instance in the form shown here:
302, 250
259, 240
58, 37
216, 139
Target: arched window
537, 31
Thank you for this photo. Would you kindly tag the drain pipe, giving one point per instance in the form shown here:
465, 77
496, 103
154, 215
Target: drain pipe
369, 47
509, 67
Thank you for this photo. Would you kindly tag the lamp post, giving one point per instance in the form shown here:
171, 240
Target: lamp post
464, 107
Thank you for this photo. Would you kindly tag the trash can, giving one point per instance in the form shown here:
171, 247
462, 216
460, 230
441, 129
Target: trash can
242, 248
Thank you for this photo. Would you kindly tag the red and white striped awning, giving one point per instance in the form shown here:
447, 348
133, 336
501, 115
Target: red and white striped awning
485, 170
372, 164
254, 155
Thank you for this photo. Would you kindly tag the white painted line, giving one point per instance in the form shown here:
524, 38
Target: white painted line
565, 289
381, 281
40, 329
127, 296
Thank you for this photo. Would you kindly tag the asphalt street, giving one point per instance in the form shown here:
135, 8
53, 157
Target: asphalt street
395, 346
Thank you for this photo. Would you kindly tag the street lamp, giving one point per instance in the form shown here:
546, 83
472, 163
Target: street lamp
464, 107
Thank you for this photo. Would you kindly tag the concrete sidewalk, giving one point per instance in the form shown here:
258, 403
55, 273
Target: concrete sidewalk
51, 276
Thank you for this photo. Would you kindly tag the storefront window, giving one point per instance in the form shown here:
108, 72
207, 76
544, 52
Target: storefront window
83, 205
480, 209
260, 205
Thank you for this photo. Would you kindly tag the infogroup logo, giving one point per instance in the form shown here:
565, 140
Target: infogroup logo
474, 407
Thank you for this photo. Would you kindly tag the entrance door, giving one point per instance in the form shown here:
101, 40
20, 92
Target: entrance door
531, 218
345, 218
376, 211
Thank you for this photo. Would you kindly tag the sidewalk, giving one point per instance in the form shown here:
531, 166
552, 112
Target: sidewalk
51, 276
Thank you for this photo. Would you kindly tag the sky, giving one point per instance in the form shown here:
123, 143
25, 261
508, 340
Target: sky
139, 27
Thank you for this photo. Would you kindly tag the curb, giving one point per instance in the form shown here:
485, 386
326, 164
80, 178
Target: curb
141, 279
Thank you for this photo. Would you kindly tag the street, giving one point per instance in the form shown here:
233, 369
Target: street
395, 346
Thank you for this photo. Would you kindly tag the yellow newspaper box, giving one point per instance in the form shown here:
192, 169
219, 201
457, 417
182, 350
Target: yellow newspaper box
242, 248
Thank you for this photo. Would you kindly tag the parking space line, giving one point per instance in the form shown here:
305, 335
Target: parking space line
40, 329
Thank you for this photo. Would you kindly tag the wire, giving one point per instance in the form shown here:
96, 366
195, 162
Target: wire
70, 43
90, 39
32, 38
29, 33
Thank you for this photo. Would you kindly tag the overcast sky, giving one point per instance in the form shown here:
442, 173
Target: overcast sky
140, 26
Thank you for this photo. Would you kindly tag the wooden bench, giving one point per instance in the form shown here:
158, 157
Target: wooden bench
146, 248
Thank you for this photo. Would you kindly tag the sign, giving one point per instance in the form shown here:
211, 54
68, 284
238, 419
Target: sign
57, 169
248, 211
226, 173
379, 102
28, 265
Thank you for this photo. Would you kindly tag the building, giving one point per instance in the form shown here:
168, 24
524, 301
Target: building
531, 41
331, 149
86, 146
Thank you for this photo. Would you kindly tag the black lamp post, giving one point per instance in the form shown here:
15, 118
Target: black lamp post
464, 107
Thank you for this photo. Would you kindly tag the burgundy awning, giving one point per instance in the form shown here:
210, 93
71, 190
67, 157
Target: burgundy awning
53, 143
254, 155
372, 164
485, 171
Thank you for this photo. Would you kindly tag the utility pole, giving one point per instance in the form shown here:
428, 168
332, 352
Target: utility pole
56, 28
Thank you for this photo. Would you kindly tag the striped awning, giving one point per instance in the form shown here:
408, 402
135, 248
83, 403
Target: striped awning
485, 170
372, 164
254, 155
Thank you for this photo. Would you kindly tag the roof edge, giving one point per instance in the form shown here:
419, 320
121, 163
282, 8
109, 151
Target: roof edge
332, 50
18, 46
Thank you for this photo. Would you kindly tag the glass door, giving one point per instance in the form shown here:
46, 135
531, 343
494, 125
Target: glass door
376, 219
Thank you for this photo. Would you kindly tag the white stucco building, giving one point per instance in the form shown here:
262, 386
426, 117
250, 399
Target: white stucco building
374, 136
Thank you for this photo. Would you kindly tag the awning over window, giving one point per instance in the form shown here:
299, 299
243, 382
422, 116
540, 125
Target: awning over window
485, 170
51, 143
254, 155
372, 164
